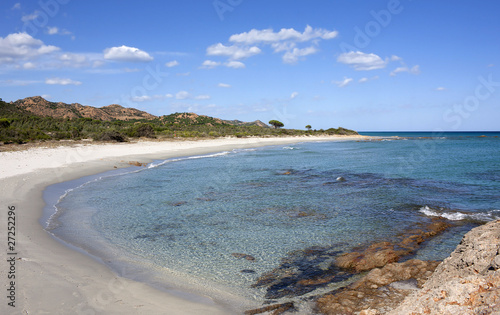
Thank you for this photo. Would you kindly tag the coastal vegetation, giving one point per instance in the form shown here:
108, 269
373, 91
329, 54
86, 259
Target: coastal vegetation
35, 119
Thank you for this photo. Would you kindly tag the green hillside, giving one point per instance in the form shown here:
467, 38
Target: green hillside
20, 126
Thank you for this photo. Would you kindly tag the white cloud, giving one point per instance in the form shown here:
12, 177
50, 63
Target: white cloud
125, 53
52, 30
185, 95
16, 6
209, 64
182, 95
168, 95
294, 95
29, 65
293, 55
46, 96
224, 85
344, 82
172, 63
21, 46
202, 97
362, 61
233, 52
30, 17
412, 70
235, 64
440, 88
365, 79
285, 40
285, 34
139, 99
75, 60
60, 81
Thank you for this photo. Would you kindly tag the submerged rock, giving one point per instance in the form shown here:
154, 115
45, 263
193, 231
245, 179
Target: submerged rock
380, 290
245, 256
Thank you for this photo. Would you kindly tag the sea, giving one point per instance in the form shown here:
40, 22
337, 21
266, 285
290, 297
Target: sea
213, 224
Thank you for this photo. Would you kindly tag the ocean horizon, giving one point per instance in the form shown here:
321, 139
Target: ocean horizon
215, 224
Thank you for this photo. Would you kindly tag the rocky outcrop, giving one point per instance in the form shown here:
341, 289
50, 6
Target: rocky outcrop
39, 106
380, 290
467, 282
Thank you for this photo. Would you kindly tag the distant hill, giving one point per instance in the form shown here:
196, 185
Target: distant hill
39, 106
242, 123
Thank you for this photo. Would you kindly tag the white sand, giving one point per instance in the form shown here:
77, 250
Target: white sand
50, 277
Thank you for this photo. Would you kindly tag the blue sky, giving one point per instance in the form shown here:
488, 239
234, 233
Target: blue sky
365, 65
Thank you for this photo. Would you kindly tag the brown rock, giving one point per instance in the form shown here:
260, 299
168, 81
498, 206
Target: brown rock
467, 282
245, 256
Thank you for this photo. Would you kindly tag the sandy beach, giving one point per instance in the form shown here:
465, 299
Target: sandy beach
41, 275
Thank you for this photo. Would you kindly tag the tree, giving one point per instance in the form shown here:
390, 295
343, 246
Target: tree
308, 127
276, 124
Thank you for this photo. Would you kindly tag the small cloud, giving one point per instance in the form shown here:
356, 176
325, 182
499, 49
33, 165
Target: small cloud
396, 58
46, 96
168, 95
182, 95
413, 70
97, 63
491, 65
52, 30
202, 97
125, 53
29, 65
362, 61
172, 63
233, 52
235, 64
19, 46
30, 17
209, 64
224, 85
294, 95
60, 81
293, 55
344, 82
16, 6
139, 99
365, 79
440, 88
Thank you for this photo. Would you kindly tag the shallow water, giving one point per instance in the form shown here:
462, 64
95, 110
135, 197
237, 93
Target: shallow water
191, 218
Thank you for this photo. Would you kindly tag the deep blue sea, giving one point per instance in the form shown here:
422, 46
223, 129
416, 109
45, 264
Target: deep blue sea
181, 222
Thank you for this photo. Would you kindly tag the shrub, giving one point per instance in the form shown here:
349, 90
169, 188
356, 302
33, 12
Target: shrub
110, 135
145, 130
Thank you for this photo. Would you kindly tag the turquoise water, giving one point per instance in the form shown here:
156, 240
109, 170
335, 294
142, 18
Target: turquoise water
180, 222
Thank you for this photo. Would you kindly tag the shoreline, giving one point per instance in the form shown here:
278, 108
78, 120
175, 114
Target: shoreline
49, 275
